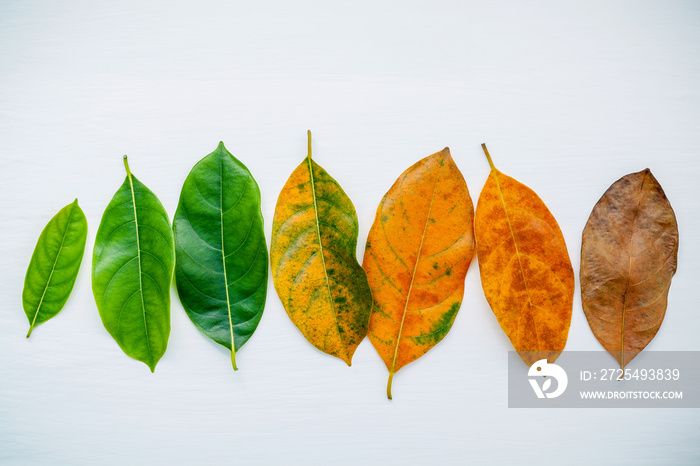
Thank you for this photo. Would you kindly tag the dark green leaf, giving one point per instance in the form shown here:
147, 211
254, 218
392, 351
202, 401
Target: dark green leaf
132, 267
54, 265
221, 270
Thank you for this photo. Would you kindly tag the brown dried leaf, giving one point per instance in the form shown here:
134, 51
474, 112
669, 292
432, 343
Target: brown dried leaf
628, 257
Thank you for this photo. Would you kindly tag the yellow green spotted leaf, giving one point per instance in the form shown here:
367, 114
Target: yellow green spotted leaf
316, 274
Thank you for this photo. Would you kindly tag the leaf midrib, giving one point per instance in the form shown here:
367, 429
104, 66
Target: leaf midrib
413, 275
53, 267
517, 253
223, 258
629, 275
323, 259
138, 252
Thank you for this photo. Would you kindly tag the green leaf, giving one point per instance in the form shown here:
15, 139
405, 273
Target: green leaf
132, 267
318, 279
221, 268
54, 265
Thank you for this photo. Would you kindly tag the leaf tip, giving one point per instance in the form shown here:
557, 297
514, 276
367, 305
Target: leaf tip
221, 145
446, 154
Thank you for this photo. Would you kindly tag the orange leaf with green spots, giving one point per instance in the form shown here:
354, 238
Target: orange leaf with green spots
316, 274
525, 268
418, 252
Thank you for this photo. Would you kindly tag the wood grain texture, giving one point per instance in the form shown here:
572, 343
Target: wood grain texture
628, 257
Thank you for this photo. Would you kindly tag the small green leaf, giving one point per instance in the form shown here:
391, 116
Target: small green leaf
132, 267
221, 268
54, 265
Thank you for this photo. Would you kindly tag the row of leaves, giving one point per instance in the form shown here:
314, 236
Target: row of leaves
407, 292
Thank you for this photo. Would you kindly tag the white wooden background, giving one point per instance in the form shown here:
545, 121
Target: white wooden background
569, 97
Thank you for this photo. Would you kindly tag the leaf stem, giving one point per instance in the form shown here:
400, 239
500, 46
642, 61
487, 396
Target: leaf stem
488, 156
309, 134
388, 385
233, 360
126, 165
622, 376
31, 327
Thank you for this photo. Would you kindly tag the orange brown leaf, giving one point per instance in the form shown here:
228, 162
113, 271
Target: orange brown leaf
417, 255
628, 257
525, 268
